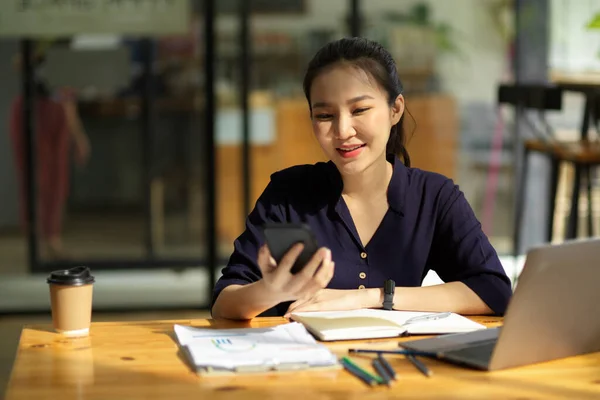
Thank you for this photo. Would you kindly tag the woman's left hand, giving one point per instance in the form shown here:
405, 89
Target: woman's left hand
328, 300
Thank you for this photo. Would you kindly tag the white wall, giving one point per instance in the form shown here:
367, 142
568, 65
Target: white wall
319, 14
573, 47
474, 78
475, 74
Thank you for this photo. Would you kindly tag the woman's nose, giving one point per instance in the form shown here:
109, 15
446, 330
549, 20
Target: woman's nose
344, 128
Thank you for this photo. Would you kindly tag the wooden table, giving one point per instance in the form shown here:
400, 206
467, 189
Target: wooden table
141, 360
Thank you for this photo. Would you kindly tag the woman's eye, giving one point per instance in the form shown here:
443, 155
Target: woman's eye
323, 116
360, 110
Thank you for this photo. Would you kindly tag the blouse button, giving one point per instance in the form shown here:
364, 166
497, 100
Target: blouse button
361, 287
363, 255
362, 275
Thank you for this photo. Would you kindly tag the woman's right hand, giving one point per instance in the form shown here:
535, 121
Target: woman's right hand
285, 286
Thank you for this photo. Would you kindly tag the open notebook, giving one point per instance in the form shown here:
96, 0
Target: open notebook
369, 323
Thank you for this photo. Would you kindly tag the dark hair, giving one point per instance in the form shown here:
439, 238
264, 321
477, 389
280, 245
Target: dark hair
372, 58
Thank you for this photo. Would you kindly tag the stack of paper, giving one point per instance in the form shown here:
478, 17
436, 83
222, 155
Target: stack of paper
284, 347
369, 323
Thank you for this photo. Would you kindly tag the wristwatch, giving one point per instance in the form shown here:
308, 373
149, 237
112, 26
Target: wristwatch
389, 286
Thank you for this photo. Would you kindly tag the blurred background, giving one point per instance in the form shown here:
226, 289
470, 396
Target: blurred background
156, 125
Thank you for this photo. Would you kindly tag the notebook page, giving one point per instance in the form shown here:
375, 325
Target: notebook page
373, 319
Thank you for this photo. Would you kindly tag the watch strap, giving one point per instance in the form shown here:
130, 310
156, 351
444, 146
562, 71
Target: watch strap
389, 288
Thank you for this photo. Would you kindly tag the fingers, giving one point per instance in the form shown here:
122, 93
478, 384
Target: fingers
308, 303
304, 307
298, 304
324, 274
291, 308
288, 260
312, 284
321, 257
304, 283
316, 275
264, 260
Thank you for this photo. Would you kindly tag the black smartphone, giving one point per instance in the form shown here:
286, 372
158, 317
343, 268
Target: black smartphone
281, 236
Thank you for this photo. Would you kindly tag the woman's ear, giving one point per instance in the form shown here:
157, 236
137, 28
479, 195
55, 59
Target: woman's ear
397, 109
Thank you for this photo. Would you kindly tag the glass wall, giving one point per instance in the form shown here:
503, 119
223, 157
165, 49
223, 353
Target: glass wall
283, 38
123, 178
451, 57
119, 151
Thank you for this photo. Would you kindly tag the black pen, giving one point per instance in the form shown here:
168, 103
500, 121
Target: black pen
399, 352
382, 371
420, 366
387, 366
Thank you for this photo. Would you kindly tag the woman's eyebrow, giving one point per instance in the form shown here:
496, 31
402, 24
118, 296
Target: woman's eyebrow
352, 100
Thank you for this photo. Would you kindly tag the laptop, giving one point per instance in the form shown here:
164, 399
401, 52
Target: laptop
553, 314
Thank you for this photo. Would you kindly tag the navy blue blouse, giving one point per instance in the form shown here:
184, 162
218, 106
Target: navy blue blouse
429, 226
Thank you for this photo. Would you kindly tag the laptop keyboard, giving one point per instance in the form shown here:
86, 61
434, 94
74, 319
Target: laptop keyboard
480, 351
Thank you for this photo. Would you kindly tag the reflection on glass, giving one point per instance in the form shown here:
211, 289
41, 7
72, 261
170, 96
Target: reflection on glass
101, 178
451, 56
58, 129
282, 43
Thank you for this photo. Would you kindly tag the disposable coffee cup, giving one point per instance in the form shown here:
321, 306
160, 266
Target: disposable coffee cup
71, 300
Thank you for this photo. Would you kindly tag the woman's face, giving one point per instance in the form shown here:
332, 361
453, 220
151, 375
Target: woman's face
351, 117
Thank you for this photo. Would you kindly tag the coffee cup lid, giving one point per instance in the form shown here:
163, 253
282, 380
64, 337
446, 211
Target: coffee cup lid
72, 277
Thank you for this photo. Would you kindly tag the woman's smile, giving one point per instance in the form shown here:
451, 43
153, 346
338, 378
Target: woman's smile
350, 151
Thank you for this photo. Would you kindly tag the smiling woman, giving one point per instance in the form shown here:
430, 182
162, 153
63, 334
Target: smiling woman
376, 218
331, 79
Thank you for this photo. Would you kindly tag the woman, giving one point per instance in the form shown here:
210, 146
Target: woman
375, 217
57, 124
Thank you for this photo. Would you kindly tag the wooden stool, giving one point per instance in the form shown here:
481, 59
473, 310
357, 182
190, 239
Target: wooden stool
527, 99
584, 155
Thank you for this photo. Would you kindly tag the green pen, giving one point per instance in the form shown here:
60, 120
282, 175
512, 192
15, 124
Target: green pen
377, 379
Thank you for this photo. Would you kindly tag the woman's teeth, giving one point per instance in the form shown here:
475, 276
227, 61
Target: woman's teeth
352, 149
